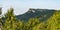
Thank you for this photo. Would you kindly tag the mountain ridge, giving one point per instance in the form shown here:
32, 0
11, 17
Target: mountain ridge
39, 13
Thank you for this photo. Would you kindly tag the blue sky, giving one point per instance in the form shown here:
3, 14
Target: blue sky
22, 6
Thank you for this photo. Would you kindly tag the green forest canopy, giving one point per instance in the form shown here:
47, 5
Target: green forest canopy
12, 23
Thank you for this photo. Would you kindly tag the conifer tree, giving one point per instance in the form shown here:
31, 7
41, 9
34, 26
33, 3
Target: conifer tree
31, 23
41, 26
20, 25
54, 21
10, 20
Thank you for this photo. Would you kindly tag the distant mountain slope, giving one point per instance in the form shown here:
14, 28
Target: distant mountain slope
43, 14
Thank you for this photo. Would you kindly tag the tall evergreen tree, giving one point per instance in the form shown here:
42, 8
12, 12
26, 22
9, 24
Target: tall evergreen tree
31, 23
54, 21
41, 26
10, 20
20, 25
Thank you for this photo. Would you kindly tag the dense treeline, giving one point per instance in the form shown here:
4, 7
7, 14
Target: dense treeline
11, 23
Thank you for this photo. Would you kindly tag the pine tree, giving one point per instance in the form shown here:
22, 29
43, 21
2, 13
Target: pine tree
54, 21
41, 26
31, 23
10, 20
20, 25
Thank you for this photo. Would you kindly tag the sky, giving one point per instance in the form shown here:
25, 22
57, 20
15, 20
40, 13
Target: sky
22, 6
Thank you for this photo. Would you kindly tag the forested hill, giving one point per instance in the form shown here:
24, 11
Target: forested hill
42, 14
33, 17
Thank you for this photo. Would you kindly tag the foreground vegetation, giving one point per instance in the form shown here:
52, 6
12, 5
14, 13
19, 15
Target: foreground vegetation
11, 23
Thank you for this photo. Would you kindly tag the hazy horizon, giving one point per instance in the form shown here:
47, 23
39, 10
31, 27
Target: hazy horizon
22, 6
